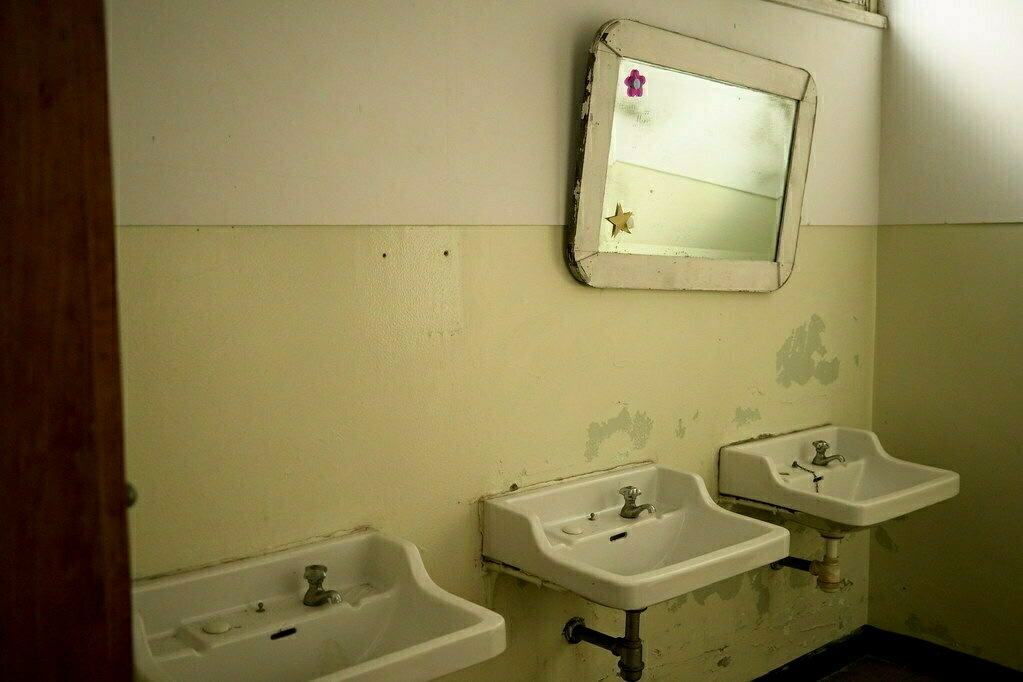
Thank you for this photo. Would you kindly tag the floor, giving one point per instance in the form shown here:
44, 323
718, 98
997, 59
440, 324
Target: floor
873, 655
872, 669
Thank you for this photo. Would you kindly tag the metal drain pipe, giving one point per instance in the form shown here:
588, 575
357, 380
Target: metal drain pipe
828, 571
628, 649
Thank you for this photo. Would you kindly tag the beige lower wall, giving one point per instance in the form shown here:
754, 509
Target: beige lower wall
949, 393
284, 383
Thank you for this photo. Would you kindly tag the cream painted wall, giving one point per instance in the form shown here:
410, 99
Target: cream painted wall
424, 112
949, 328
288, 383
948, 393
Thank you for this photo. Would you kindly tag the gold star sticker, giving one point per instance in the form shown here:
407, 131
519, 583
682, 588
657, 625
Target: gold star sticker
620, 221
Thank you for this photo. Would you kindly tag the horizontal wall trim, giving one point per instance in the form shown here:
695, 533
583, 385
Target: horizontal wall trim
1007, 223
449, 225
841, 10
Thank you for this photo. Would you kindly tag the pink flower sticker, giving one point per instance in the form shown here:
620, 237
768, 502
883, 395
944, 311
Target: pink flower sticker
635, 83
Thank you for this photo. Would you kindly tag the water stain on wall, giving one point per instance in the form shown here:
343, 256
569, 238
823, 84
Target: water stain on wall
801, 356
724, 589
882, 538
637, 427
917, 627
676, 603
745, 415
800, 579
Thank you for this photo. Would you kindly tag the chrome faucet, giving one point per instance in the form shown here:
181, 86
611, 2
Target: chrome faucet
820, 459
316, 595
631, 510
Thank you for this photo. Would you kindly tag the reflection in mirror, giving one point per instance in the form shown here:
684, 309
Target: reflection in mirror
693, 164
700, 164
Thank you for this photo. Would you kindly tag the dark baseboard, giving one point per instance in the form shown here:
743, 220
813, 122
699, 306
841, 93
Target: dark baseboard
923, 658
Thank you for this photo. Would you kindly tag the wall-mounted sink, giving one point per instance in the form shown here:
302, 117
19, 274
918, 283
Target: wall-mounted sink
393, 622
571, 534
868, 488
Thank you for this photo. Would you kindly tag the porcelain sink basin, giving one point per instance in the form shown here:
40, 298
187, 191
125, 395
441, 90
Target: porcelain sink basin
870, 487
571, 534
394, 623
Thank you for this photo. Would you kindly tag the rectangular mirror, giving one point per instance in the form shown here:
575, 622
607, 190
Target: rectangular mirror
693, 164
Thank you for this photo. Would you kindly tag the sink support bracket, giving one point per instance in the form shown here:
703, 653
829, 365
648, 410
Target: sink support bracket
792, 562
628, 649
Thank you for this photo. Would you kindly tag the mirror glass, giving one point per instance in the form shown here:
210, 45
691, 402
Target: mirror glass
701, 165
693, 164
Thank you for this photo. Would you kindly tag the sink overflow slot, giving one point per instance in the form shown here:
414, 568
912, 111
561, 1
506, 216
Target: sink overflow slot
619, 536
283, 633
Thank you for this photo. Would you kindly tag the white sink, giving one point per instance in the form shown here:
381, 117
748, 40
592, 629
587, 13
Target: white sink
869, 488
394, 623
689, 542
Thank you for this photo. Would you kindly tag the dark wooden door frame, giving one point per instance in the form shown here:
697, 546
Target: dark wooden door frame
64, 584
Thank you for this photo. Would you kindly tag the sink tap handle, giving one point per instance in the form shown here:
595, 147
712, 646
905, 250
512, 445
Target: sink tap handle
315, 574
630, 492
821, 446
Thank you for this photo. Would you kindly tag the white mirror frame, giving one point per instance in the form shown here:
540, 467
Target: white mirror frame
622, 38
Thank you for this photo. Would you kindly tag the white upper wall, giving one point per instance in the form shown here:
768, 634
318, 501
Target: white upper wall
405, 112
953, 112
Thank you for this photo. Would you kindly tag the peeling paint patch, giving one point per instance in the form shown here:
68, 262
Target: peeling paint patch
637, 428
676, 603
745, 415
680, 430
725, 662
724, 589
801, 356
642, 426
882, 538
917, 626
800, 579
826, 372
